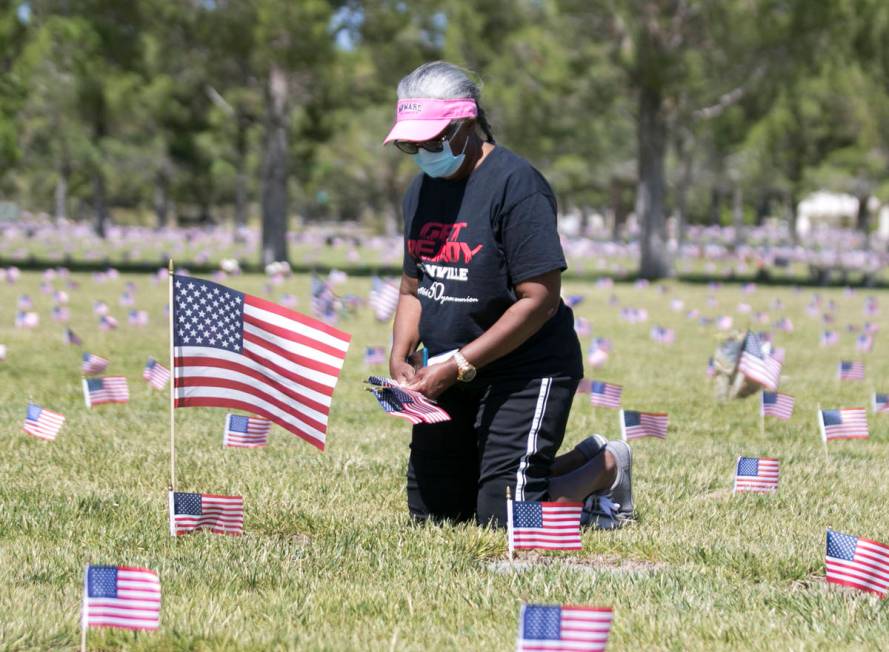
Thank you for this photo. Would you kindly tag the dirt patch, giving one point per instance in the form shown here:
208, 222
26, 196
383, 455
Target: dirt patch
594, 564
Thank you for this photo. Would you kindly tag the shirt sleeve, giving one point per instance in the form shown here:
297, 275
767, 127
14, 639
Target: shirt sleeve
530, 238
409, 263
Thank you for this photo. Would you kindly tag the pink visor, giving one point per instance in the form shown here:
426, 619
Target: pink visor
419, 119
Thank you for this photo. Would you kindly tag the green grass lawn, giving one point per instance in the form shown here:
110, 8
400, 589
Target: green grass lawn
329, 559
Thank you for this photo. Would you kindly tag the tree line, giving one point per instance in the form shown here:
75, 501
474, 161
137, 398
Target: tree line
202, 109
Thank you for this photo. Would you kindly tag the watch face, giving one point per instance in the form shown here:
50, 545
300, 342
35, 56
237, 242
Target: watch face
469, 374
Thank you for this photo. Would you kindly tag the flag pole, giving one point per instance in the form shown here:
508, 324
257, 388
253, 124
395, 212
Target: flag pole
509, 524
823, 432
84, 616
762, 416
172, 381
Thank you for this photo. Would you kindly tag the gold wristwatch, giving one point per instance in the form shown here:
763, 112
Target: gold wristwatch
465, 371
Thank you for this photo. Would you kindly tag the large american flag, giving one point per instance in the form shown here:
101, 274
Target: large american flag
245, 432
405, 403
857, 562
563, 628
880, 402
844, 423
604, 394
757, 366
383, 299
219, 514
635, 424
237, 351
121, 597
756, 475
551, 526
156, 374
42, 423
109, 389
93, 364
776, 404
848, 370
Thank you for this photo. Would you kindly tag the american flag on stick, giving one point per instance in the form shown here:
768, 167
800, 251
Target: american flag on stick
42, 423
634, 425
107, 323
756, 475
122, 597
757, 365
844, 423
219, 514
374, 355
245, 432
93, 364
864, 343
237, 351
775, 404
605, 395
849, 370
110, 389
563, 628
405, 403
829, 338
857, 562
880, 403
599, 349
156, 374
543, 525
70, 337
383, 298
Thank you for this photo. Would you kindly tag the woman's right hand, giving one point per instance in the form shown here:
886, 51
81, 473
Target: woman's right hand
401, 372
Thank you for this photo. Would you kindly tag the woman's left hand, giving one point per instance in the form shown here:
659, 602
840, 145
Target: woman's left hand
433, 380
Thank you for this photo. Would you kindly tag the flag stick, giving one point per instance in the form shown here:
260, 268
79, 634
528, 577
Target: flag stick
83, 615
82, 638
509, 523
172, 382
823, 433
762, 416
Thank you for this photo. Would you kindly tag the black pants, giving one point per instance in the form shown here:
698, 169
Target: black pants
500, 435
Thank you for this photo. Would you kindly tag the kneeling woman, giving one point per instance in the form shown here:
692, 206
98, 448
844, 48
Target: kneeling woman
481, 290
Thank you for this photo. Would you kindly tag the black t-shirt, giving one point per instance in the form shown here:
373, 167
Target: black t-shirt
469, 242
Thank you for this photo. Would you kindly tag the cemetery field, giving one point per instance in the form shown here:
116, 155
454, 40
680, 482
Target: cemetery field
329, 560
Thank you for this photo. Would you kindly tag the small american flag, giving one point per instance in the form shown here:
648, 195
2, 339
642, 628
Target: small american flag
634, 425
663, 335
864, 343
100, 308
756, 475
563, 628
72, 338
880, 403
757, 366
245, 432
25, 303
374, 355
573, 300
110, 389
60, 314
605, 394
550, 526
28, 320
848, 370
405, 403
137, 318
598, 352
127, 298
107, 323
2, 352
584, 386
724, 323
778, 353
383, 298
42, 423
844, 423
711, 368
582, 326
93, 364
857, 562
775, 404
871, 307
121, 597
156, 374
829, 338
323, 300
784, 324
219, 514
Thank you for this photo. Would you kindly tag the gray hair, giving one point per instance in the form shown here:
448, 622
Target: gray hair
444, 81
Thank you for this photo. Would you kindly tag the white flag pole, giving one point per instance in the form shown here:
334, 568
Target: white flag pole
509, 524
172, 382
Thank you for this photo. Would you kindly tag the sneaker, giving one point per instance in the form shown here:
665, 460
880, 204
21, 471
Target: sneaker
621, 492
591, 446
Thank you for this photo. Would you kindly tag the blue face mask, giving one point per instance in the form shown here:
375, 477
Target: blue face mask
440, 164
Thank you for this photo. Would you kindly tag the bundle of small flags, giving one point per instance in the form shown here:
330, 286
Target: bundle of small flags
857, 563
563, 628
605, 395
756, 365
110, 389
122, 597
634, 424
219, 514
156, 374
92, 363
374, 355
245, 432
775, 404
844, 423
42, 423
405, 403
849, 370
543, 525
756, 475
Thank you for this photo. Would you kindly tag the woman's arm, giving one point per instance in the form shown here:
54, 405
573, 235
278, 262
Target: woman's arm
406, 330
538, 300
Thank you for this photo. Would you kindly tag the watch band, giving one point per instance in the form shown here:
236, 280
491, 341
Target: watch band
465, 370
